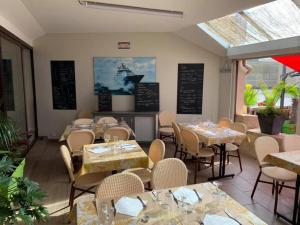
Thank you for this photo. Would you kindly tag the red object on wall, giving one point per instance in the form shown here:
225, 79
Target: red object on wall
292, 61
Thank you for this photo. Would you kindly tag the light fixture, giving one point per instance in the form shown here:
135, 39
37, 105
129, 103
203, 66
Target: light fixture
127, 8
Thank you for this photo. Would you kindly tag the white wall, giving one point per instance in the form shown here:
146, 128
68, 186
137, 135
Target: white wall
168, 49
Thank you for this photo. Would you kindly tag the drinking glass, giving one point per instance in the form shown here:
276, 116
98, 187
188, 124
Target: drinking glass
105, 213
106, 138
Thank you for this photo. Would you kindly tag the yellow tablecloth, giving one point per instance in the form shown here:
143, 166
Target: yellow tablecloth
210, 204
93, 162
287, 160
211, 136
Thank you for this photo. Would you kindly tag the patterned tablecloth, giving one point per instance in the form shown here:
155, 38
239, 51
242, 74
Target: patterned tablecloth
215, 135
214, 202
287, 160
98, 129
112, 160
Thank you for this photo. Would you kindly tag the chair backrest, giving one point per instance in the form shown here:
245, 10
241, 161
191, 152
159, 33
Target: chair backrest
291, 142
264, 146
84, 115
119, 185
83, 121
108, 120
78, 138
169, 173
166, 118
68, 161
157, 150
190, 141
177, 133
120, 132
224, 123
240, 127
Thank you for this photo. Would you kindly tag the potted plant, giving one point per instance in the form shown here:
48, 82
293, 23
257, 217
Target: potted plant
20, 198
250, 97
271, 118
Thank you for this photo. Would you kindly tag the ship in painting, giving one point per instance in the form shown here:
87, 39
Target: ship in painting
126, 77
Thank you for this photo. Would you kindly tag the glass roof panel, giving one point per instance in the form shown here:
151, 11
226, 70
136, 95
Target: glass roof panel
272, 21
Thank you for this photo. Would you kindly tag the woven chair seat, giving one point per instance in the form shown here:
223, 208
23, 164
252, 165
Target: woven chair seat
166, 130
231, 147
279, 174
144, 174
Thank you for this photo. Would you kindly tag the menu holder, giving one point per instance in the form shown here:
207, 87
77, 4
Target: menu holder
105, 101
147, 97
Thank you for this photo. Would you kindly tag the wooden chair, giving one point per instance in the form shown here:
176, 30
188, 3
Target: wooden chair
118, 185
267, 145
120, 132
77, 139
169, 173
156, 154
224, 123
83, 121
234, 147
178, 140
165, 125
192, 146
107, 120
83, 183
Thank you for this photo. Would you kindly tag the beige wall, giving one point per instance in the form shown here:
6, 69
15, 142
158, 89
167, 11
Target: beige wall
168, 49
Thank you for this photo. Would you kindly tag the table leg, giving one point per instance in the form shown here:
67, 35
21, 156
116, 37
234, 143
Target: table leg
222, 164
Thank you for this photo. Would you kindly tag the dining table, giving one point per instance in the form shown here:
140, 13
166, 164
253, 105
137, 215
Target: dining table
98, 129
113, 156
203, 204
289, 160
212, 135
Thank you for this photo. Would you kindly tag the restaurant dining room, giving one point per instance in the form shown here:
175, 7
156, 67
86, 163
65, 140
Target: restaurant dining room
138, 112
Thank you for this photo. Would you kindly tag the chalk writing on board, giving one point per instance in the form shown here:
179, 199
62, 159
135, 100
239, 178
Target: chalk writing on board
147, 97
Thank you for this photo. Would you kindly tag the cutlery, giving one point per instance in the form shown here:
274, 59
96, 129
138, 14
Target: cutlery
231, 217
154, 194
199, 199
139, 198
175, 199
113, 205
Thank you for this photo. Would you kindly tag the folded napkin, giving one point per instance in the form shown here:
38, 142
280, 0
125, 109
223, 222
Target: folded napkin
217, 220
210, 133
189, 195
127, 146
84, 126
99, 149
129, 206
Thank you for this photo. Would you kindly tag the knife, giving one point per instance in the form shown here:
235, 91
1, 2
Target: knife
231, 217
113, 205
139, 198
175, 199
197, 195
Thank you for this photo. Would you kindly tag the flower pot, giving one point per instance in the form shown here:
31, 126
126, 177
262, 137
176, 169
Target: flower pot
270, 124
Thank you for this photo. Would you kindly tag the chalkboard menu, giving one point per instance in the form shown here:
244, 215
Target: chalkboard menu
104, 101
8, 87
190, 88
63, 84
147, 97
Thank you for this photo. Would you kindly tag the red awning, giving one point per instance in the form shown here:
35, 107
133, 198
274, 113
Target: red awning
292, 61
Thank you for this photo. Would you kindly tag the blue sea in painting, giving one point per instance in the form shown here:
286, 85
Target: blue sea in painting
119, 75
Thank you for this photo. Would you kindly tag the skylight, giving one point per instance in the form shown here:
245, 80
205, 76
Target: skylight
271, 21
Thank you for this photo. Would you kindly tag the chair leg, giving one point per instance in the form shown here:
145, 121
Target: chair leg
256, 182
71, 198
273, 187
281, 186
228, 158
213, 166
196, 170
276, 196
176, 149
240, 161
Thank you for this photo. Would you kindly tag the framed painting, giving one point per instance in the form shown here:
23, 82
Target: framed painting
120, 74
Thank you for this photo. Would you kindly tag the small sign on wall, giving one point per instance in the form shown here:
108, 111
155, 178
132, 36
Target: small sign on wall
124, 45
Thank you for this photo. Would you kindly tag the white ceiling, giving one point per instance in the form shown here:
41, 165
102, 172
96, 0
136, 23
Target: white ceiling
67, 16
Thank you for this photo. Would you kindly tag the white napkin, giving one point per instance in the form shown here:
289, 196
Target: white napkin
189, 195
210, 133
217, 220
128, 146
99, 149
129, 206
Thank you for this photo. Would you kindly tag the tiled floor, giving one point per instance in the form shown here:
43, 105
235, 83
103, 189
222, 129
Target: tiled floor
44, 165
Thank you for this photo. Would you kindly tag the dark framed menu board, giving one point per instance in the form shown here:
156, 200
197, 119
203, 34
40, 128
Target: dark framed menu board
63, 84
190, 88
8, 87
105, 101
147, 97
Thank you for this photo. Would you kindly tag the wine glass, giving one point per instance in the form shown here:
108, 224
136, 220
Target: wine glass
106, 138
